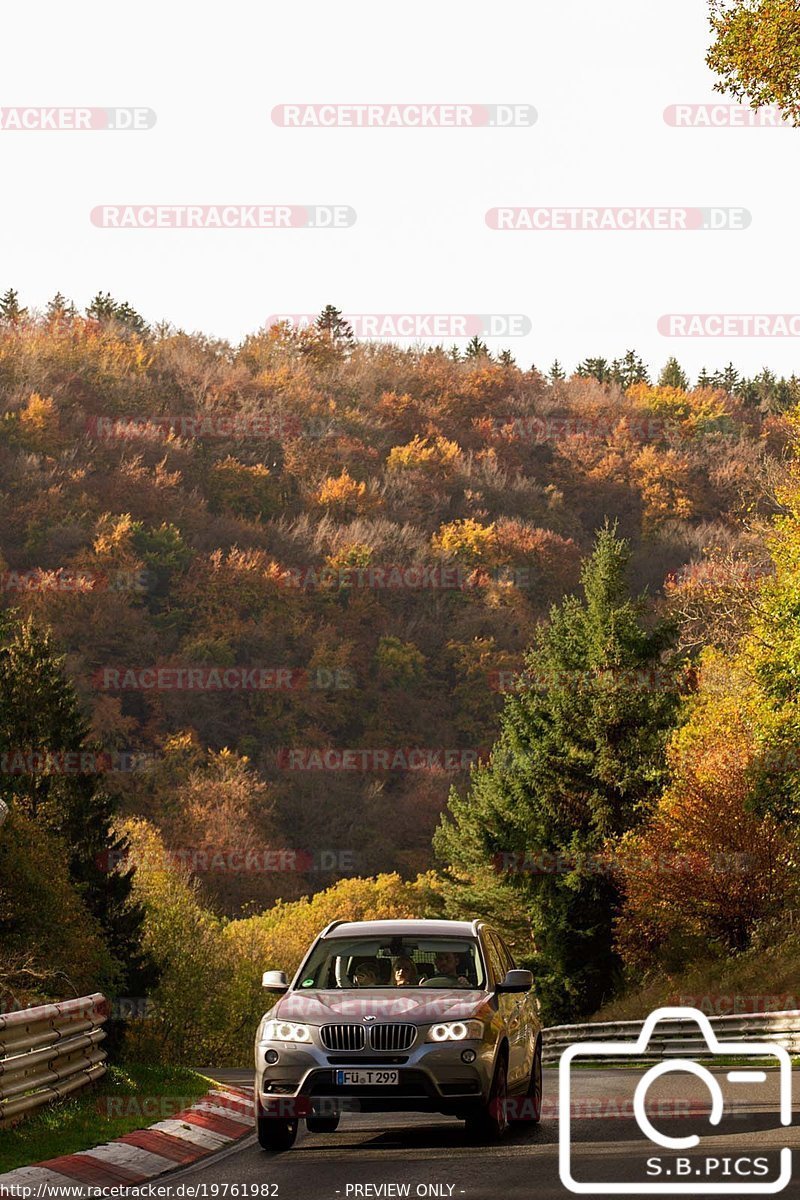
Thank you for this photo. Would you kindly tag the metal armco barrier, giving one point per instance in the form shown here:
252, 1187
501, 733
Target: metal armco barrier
48, 1052
681, 1038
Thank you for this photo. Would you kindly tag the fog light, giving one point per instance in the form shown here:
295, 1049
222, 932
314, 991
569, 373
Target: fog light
271, 1057
468, 1056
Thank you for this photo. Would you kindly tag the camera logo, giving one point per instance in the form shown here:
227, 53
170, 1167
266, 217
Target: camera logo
701, 1174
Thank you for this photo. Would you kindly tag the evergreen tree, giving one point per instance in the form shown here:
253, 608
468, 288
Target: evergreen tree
556, 374
629, 370
506, 359
595, 368
476, 348
11, 312
108, 311
454, 353
60, 309
704, 380
39, 716
579, 761
331, 322
673, 375
730, 378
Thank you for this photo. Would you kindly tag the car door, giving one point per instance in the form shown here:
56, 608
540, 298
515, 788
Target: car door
524, 1016
508, 1005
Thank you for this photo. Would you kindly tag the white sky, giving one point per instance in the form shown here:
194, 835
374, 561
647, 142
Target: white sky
600, 76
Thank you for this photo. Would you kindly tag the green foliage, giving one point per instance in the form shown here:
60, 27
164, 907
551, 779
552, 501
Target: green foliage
579, 761
59, 787
129, 1096
476, 348
11, 311
673, 375
595, 368
331, 322
108, 311
51, 946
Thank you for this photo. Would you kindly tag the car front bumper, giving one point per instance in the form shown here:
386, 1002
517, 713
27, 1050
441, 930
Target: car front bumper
432, 1077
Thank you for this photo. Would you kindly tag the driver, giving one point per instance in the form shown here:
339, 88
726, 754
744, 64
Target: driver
446, 974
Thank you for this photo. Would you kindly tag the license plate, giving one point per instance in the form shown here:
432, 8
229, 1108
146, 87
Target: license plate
368, 1078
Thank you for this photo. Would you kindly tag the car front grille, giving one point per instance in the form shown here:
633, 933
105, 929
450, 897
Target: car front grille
392, 1037
343, 1037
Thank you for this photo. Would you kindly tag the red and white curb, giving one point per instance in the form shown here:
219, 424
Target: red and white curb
222, 1116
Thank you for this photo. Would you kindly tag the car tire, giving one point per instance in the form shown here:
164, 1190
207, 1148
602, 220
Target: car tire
531, 1111
322, 1124
489, 1123
276, 1133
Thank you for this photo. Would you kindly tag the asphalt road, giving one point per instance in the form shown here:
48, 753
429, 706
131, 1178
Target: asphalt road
424, 1155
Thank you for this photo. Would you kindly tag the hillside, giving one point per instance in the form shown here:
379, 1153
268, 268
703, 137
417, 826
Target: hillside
326, 547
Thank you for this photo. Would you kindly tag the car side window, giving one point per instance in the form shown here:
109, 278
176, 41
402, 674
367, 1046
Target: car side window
495, 959
506, 953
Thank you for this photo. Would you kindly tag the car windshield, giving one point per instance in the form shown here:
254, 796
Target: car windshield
393, 962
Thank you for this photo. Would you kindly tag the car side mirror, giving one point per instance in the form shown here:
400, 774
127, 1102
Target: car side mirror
516, 981
275, 981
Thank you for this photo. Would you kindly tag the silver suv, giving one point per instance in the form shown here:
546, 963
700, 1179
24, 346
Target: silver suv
389, 1016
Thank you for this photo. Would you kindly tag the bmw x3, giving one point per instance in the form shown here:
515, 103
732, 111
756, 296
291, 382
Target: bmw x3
392, 1016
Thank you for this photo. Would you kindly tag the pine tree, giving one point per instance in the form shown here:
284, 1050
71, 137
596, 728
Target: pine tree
476, 348
108, 311
730, 378
579, 761
506, 359
704, 380
11, 312
556, 374
60, 310
629, 370
454, 353
331, 322
595, 368
39, 714
673, 375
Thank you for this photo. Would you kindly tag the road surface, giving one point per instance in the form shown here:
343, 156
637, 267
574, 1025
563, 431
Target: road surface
423, 1155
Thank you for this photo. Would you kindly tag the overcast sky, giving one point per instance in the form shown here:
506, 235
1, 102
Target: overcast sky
599, 76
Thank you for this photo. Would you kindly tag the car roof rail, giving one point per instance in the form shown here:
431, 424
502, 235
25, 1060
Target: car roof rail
329, 928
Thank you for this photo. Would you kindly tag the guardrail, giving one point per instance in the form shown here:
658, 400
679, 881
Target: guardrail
674, 1037
49, 1052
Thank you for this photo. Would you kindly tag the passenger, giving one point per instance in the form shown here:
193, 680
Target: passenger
404, 972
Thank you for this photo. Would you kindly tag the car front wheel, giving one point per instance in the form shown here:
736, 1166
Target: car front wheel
276, 1133
490, 1122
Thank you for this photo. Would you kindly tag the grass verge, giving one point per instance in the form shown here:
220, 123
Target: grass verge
129, 1096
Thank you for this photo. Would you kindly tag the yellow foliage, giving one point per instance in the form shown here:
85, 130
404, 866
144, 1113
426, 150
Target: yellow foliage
343, 496
468, 541
38, 424
422, 453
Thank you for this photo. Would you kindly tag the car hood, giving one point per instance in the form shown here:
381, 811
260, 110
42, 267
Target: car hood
405, 1004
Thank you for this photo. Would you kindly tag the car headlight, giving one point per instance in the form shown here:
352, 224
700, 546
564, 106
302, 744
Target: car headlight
455, 1031
285, 1031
